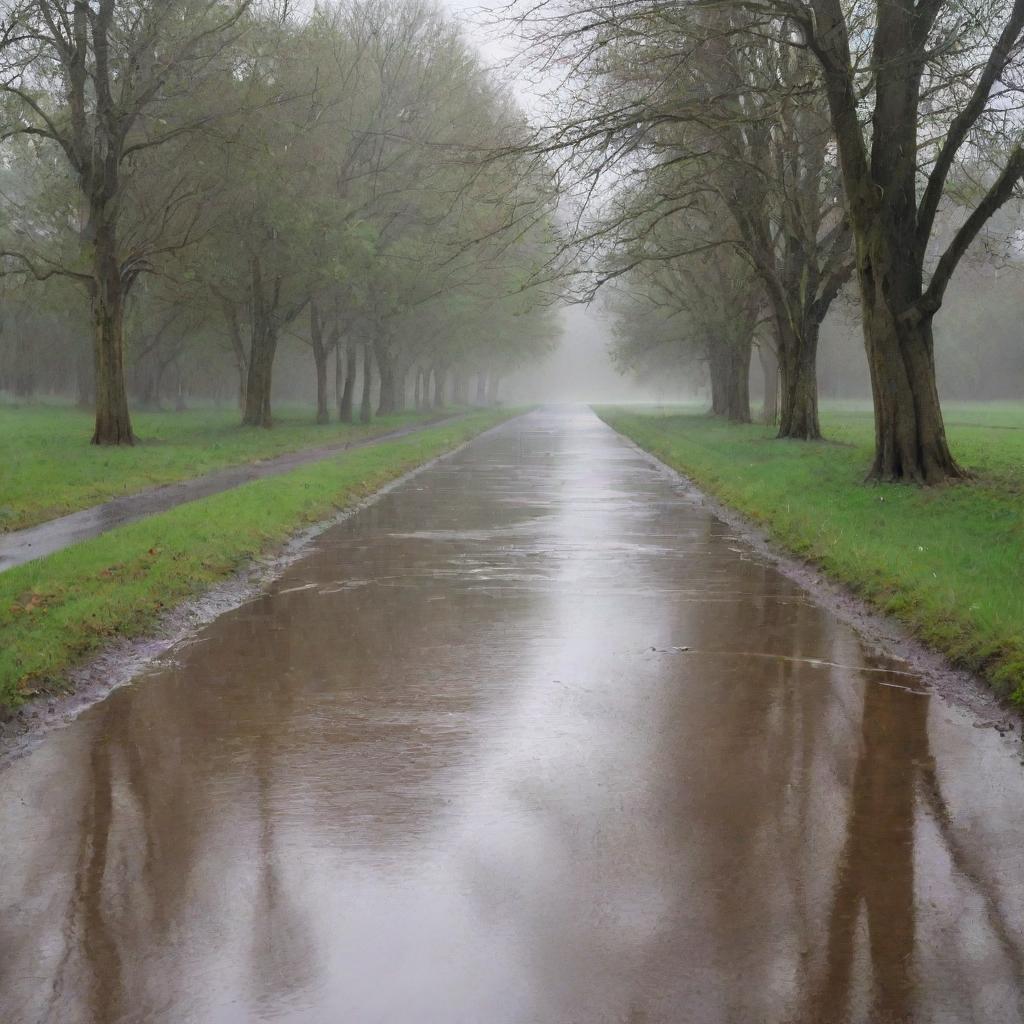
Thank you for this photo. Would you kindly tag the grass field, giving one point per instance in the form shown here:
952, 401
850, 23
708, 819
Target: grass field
57, 610
948, 561
48, 468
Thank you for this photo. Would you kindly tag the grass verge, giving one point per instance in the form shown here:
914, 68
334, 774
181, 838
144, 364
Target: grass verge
48, 468
947, 561
56, 611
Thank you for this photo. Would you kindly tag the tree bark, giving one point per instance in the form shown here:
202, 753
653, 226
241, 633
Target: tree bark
366, 407
386, 400
268, 317
910, 437
729, 366
798, 368
440, 374
258, 382
113, 422
339, 374
418, 389
345, 402
320, 353
481, 388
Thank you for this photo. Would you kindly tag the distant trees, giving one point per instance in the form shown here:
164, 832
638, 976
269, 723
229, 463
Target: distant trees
322, 174
743, 121
706, 293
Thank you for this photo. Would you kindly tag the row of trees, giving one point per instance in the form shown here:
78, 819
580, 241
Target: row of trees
749, 161
216, 178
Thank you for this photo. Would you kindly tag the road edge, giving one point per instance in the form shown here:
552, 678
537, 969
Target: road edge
885, 634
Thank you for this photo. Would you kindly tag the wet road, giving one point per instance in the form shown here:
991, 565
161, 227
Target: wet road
453, 769
21, 546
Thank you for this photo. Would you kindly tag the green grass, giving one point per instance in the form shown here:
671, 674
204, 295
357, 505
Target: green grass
57, 610
947, 561
48, 468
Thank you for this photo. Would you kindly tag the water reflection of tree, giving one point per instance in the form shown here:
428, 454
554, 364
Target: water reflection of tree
88, 931
895, 775
282, 953
155, 805
876, 867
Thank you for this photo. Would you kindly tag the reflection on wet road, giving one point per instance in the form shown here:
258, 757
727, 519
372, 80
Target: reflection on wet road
532, 739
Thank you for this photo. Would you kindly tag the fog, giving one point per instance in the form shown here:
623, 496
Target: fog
580, 369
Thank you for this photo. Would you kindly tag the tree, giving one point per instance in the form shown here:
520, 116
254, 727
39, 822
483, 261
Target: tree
774, 171
911, 88
104, 83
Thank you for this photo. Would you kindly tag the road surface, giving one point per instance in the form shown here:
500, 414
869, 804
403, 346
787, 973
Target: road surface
532, 739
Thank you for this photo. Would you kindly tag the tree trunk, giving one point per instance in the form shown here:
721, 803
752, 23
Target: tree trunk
322, 416
339, 375
481, 388
910, 437
113, 423
737, 409
439, 381
258, 382
320, 353
345, 402
770, 369
418, 389
798, 366
729, 365
387, 402
366, 408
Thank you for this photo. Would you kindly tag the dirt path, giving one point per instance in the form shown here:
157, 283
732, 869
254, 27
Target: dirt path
533, 739
22, 546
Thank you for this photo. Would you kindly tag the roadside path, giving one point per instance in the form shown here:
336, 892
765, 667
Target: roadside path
20, 546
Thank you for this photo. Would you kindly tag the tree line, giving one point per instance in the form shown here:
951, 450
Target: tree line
189, 186
741, 167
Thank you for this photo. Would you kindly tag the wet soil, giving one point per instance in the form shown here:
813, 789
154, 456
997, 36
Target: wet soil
20, 546
534, 738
